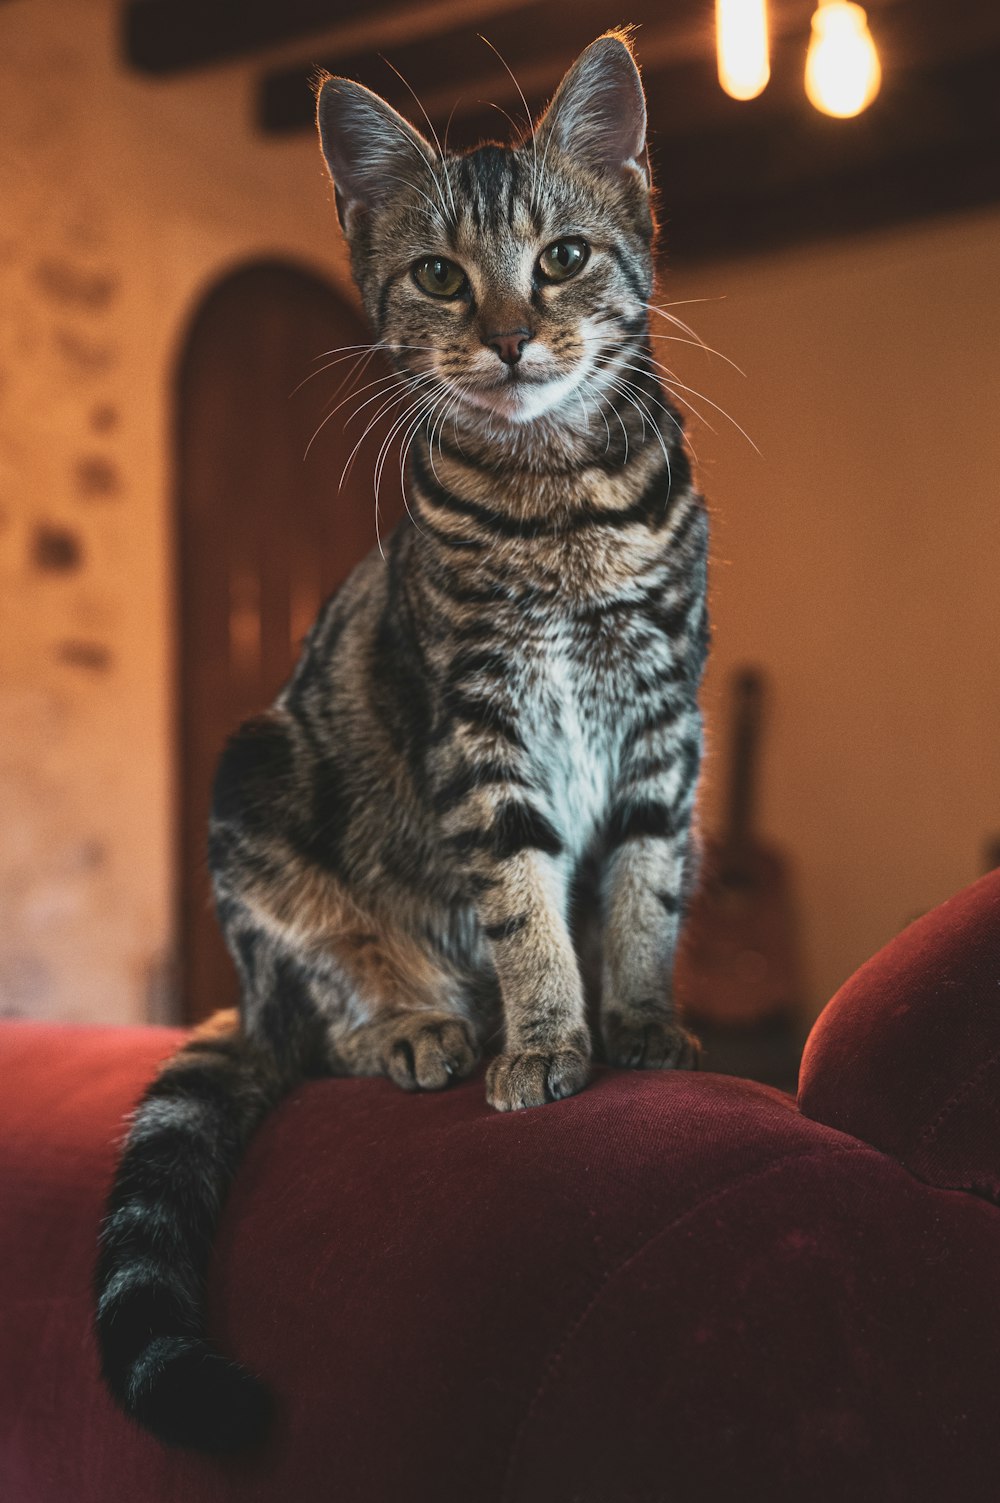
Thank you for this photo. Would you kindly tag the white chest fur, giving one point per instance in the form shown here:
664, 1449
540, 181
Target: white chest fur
574, 743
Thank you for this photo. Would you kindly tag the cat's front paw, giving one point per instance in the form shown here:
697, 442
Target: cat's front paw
531, 1077
643, 1043
424, 1051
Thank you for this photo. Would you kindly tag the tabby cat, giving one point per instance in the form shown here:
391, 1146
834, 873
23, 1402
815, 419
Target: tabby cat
493, 724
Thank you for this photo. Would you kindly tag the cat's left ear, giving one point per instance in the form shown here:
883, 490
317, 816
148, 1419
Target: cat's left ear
598, 113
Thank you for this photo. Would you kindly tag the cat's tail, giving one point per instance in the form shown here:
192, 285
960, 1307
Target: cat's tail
181, 1154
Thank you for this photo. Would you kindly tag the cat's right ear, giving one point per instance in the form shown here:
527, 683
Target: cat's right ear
369, 148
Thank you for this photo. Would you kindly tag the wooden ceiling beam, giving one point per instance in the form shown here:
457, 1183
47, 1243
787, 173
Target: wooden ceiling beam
747, 178
169, 36
733, 176
163, 37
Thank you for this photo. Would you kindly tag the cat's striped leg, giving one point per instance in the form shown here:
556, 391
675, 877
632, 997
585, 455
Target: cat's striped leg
645, 888
510, 859
546, 1051
517, 870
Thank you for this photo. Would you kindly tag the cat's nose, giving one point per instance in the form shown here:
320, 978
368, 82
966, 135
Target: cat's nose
509, 346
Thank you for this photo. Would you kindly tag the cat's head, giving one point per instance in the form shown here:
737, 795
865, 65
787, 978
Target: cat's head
507, 277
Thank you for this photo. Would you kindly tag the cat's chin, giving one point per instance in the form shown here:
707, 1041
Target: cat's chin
520, 400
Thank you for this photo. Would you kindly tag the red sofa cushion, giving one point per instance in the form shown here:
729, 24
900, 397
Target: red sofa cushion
907, 1055
668, 1287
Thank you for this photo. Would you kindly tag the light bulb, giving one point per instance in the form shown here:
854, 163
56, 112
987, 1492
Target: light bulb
741, 44
843, 72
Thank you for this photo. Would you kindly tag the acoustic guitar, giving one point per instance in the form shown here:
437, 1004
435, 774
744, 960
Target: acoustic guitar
738, 965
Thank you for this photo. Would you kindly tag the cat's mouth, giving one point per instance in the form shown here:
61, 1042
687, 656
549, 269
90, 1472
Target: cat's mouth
518, 395
515, 376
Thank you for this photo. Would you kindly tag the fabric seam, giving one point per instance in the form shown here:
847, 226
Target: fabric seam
554, 1359
931, 1129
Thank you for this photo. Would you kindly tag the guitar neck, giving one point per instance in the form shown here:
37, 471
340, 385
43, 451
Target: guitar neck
747, 700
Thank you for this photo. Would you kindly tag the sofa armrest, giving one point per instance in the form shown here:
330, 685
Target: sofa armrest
907, 1054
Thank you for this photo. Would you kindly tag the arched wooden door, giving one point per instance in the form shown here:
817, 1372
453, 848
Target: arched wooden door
263, 535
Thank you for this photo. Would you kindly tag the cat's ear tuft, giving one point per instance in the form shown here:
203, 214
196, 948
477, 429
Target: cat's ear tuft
370, 149
598, 112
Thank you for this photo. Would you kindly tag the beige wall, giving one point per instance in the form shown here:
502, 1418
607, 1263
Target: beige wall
855, 558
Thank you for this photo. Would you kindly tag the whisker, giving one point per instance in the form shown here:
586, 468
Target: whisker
699, 344
637, 398
353, 375
627, 365
397, 424
621, 424
456, 398
686, 302
381, 380
623, 390
437, 212
382, 451
643, 371
450, 119
434, 134
553, 110
373, 344
527, 117
586, 418
674, 382
437, 425
422, 407
355, 357
423, 401
353, 352
427, 420
671, 318
672, 415
386, 407
410, 141
491, 105
405, 449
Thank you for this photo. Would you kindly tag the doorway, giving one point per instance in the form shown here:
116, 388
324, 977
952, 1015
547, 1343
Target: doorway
263, 535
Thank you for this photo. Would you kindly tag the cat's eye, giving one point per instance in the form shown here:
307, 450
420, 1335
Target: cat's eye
439, 277
563, 259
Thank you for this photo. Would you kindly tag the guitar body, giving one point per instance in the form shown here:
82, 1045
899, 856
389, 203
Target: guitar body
738, 964
738, 959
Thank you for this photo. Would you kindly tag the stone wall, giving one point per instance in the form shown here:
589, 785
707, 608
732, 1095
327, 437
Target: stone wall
122, 201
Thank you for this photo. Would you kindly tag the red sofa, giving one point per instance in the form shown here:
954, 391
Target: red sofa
668, 1288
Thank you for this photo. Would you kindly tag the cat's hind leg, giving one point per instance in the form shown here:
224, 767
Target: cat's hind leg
281, 857
404, 1018
384, 1003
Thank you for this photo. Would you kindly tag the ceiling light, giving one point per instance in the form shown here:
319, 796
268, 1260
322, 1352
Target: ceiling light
742, 47
843, 73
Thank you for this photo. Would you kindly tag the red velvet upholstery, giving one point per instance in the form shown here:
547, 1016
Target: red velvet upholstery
907, 1055
667, 1288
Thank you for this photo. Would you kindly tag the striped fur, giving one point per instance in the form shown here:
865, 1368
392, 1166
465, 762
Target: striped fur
492, 732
